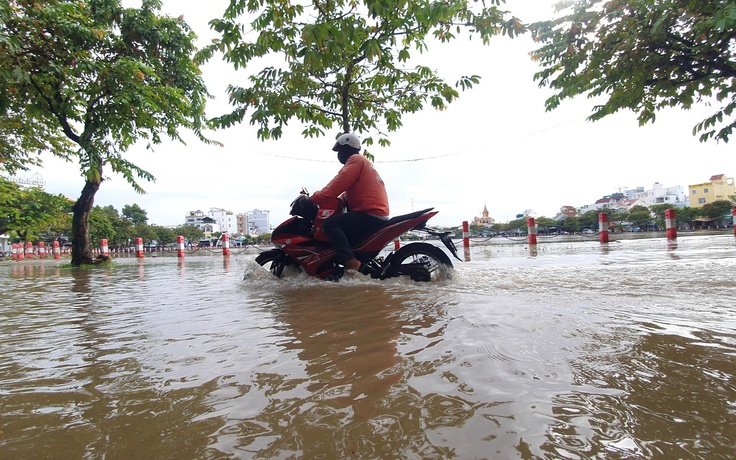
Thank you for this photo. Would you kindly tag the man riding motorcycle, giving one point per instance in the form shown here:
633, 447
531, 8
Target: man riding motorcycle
366, 198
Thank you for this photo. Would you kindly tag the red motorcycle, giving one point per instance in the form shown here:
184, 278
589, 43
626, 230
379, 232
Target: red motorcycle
301, 243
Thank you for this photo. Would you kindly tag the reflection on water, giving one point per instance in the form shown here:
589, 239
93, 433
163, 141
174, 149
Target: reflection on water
569, 350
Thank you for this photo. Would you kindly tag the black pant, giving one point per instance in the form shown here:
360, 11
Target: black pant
348, 228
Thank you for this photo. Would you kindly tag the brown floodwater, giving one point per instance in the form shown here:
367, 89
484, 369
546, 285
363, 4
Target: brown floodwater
573, 350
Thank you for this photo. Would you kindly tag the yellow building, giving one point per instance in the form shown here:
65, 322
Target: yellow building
485, 219
720, 187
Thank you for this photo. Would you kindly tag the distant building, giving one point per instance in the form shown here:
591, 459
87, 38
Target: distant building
605, 202
485, 220
257, 222
631, 193
719, 187
565, 212
626, 205
242, 223
5, 245
226, 220
658, 194
203, 222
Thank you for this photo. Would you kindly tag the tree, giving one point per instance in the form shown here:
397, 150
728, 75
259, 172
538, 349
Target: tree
135, 214
644, 56
518, 225
8, 204
346, 62
29, 212
658, 211
145, 232
475, 229
120, 228
687, 215
640, 216
103, 76
190, 233
571, 225
164, 235
590, 219
101, 225
544, 223
716, 209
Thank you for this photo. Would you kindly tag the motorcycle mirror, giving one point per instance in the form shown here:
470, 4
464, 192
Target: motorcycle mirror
304, 191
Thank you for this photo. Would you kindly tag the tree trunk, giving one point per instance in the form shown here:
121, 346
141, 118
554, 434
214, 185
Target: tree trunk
81, 250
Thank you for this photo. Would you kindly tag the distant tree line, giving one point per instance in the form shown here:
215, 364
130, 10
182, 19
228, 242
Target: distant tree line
30, 214
651, 218
34, 215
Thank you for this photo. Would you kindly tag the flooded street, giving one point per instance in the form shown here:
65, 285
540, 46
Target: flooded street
571, 351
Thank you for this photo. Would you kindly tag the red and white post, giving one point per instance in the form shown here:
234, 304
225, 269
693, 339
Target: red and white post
29, 250
531, 227
56, 249
733, 215
41, 250
603, 227
104, 248
14, 251
466, 240
225, 244
139, 248
670, 219
180, 246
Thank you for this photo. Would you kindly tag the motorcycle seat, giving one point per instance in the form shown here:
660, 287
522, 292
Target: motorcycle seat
404, 217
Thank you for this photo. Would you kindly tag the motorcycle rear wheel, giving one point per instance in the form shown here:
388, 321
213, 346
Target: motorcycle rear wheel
420, 262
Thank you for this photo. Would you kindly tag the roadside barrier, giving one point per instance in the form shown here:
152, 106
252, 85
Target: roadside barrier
225, 244
531, 230
139, 247
670, 218
21, 251
603, 227
466, 241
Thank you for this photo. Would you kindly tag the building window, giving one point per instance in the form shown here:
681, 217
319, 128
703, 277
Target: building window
705, 190
695, 192
701, 200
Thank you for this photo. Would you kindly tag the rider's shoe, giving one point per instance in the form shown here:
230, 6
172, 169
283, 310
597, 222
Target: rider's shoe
352, 264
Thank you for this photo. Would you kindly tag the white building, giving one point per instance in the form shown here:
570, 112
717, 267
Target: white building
674, 196
605, 202
225, 219
5, 245
203, 222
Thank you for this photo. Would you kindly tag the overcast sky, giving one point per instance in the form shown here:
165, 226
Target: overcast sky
496, 147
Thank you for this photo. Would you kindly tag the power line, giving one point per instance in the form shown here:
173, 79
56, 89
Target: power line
410, 160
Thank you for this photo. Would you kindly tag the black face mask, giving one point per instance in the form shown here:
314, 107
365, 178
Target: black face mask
345, 152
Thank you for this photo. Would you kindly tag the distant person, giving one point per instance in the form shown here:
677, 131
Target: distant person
365, 194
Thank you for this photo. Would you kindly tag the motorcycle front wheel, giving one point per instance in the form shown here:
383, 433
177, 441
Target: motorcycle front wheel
420, 262
277, 260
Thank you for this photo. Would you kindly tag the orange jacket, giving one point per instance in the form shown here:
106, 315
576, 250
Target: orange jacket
363, 187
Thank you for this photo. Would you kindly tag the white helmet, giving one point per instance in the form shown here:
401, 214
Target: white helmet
347, 139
